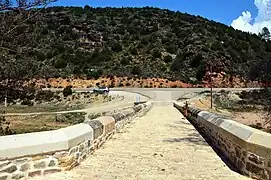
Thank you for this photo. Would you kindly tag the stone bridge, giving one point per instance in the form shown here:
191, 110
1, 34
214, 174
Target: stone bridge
162, 144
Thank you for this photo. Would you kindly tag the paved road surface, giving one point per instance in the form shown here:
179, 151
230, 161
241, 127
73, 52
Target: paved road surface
162, 145
160, 94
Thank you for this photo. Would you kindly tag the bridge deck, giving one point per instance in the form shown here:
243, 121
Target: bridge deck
160, 145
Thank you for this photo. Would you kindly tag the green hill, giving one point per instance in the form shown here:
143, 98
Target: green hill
147, 42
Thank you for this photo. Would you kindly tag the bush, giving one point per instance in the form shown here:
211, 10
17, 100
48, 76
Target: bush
172, 49
134, 51
116, 47
27, 102
67, 91
136, 70
60, 63
156, 53
167, 59
44, 95
124, 61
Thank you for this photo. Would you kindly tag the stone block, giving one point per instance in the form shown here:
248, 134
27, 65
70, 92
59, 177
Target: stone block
254, 169
18, 175
25, 167
4, 163
137, 108
260, 138
9, 169
34, 173
97, 127
37, 158
72, 165
40, 165
240, 165
256, 159
77, 134
82, 147
118, 117
129, 112
41, 142
66, 161
4, 176
238, 152
73, 150
108, 124
49, 171
61, 154
21, 161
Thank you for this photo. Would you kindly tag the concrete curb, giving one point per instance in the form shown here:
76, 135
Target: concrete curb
34, 154
246, 148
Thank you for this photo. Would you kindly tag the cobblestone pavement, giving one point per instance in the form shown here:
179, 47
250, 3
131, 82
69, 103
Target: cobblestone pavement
161, 145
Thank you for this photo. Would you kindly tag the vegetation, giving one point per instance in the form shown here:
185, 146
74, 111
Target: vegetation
67, 91
147, 42
37, 123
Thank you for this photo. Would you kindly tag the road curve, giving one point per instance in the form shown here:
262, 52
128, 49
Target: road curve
157, 89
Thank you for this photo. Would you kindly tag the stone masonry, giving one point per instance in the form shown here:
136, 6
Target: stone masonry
241, 154
103, 128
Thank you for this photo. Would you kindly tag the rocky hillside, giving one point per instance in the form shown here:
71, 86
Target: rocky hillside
125, 42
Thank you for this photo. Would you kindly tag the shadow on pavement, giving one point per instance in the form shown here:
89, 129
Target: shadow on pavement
194, 138
199, 137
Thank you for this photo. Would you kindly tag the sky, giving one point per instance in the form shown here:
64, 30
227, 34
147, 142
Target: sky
246, 15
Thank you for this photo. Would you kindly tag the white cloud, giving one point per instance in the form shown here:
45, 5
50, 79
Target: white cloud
263, 19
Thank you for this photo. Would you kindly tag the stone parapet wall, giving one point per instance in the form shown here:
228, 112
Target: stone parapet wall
34, 154
246, 148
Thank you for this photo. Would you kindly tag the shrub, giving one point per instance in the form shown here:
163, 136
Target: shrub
67, 91
27, 102
171, 49
124, 61
116, 47
167, 59
156, 53
60, 63
136, 70
134, 51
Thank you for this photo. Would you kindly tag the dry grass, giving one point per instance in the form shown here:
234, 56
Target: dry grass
253, 118
37, 123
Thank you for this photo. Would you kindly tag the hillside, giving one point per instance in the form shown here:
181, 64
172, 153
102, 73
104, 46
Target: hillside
127, 42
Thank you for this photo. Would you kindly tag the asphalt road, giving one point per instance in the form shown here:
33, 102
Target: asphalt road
161, 94
156, 89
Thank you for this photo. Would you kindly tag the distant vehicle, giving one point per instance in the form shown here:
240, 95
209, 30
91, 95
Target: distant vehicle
101, 90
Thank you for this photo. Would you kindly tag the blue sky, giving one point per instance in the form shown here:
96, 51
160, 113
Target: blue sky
224, 11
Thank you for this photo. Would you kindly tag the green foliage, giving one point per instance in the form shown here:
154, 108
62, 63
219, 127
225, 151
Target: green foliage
67, 91
134, 51
168, 59
265, 34
156, 53
136, 70
61, 41
116, 47
171, 49
60, 63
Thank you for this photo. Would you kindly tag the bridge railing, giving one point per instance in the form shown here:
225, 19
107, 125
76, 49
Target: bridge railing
32, 154
248, 149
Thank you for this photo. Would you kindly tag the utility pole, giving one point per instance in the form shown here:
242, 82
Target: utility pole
6, 103
211, 87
